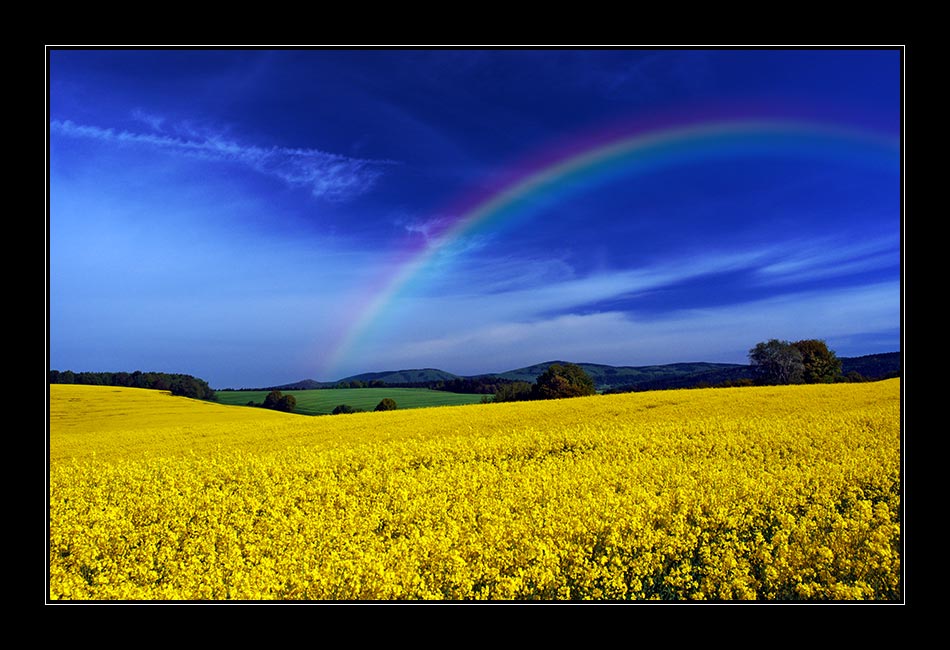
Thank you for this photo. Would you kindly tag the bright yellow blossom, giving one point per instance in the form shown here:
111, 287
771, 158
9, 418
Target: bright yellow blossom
721, 494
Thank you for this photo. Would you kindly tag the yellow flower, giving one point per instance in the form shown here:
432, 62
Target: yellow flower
728, 494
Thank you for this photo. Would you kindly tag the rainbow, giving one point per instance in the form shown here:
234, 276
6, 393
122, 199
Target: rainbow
593, 159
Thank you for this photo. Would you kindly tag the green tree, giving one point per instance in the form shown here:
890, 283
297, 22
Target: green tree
178, 384
386, 404
514, 392
280, 402
563, 380
272, 401
287, 403
819, 364
777, 362
344, 408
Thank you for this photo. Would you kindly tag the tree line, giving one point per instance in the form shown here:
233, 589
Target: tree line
385, 404
177, 384
277, 401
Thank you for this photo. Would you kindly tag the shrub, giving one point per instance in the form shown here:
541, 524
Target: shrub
273, 399
386, 404
279, 402
287, 403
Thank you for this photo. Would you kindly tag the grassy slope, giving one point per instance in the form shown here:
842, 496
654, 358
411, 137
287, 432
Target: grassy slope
318, 402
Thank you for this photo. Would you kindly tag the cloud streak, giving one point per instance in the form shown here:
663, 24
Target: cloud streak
329, 176
824, 259
554, 287
551, 311
722, 333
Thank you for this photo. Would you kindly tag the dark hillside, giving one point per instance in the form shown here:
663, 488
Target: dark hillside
176, 383
873, 366
414, 376
606, 378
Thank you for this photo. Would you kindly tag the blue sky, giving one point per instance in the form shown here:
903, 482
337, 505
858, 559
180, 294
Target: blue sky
230, 214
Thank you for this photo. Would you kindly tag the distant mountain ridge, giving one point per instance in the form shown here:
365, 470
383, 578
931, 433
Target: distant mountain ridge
412, 376
606, 377
873, 366
671, 375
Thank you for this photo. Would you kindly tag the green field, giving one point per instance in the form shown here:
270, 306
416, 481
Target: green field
321, 402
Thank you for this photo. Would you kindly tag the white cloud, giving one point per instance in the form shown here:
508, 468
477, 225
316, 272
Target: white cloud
330, 176
722, 334
153, 121
430, 228
555, 287
829, 258
526, 289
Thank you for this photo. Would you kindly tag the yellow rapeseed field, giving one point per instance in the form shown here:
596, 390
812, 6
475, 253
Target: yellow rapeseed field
721, 494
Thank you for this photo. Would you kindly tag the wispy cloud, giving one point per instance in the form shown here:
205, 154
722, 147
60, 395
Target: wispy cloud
150, 119
429, 228
542, 313
328, 175
555, 292
827, 258
723, 333
554, 287
525, 289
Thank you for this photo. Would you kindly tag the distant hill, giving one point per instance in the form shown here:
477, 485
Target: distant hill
708, 377
671, 375
873, 366
414, 376
304, 384
607, 377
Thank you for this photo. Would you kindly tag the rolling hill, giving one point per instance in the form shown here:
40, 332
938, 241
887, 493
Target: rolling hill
391, 377
606, 377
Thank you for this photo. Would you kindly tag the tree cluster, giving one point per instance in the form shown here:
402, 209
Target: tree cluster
802, 362
386, 404
177, 384
558, 381
277, 401
468, 385
516, 391
280, 402
472, 385
356, 383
